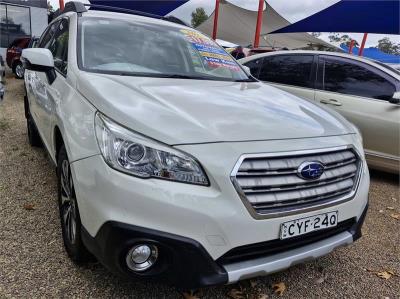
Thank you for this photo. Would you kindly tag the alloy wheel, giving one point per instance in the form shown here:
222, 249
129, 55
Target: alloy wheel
68, 203
19, 71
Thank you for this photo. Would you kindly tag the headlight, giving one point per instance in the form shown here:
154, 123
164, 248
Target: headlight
137, 155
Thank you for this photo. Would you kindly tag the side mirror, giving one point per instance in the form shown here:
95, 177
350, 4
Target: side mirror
39, 60
247, 70
395, 98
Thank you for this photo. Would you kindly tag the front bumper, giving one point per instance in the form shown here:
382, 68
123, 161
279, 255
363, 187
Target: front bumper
185, 263
213, 218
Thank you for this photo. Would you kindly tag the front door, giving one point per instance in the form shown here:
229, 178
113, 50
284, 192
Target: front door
294, 73
49, 94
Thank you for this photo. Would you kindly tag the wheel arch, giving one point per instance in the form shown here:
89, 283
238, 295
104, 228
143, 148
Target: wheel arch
58, 142
14, 63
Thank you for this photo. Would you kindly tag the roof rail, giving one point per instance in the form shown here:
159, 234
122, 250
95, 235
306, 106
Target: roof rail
74, 6
120, 9
175, 20
80, 7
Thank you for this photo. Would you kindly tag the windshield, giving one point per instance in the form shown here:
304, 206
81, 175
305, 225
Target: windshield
144, 49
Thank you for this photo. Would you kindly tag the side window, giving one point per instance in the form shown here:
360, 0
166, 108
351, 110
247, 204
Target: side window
58, 46
47, 35
254, 66
288, 69
350, 78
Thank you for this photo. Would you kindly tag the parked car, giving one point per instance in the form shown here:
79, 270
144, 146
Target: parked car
2, 70
174, 163
364, 91
14, 54
395, 66
33, 42
2, 92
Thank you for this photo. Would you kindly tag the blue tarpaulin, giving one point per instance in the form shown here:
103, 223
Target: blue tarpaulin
374, 53
157, 7
363, 16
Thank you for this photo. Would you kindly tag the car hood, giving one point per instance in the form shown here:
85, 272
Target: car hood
181, 111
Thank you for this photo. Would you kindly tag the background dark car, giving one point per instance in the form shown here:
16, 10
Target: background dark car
13, 57
2, 70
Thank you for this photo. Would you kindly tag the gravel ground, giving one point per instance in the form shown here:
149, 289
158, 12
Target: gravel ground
33, 262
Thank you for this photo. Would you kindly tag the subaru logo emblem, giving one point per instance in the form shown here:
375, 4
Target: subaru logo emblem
310, 170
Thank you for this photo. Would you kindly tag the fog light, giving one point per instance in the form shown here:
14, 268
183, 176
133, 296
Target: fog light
141, 257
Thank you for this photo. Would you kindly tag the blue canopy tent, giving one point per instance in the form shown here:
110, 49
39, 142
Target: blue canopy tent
156, 7
375, 53
363, 16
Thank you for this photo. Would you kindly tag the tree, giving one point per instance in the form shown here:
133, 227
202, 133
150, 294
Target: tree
316, 34
344, 39
50, 8
198, 16
50, 12
387, 46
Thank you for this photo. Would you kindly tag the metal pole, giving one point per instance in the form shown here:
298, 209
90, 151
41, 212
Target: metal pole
215, 28
61, 2
351, 46
259, 23
360, 52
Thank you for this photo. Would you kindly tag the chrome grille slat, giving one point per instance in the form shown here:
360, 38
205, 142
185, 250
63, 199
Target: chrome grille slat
299, 194
311, 200
298, 186
283, 172
346, 162
292, 178
270, 184
290, 162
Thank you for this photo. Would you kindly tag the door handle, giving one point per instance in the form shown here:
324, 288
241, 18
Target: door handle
331, 102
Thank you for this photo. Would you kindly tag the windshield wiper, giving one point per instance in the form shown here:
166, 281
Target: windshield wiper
246, 80
179, 76
157, 75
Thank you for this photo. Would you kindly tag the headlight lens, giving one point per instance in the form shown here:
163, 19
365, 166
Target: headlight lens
137, 155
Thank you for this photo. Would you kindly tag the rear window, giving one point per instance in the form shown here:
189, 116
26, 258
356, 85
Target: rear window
345, 77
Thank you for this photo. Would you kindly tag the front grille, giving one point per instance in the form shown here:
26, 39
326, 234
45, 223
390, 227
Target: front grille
264, 249
271, 184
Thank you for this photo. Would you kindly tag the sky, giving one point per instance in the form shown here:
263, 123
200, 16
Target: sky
292, 10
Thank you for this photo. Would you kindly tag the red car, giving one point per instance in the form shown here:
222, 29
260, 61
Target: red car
13, 57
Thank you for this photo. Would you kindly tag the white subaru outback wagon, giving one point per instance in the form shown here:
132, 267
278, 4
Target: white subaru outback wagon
173, 163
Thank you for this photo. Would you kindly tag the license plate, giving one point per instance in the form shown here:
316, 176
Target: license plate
306, 225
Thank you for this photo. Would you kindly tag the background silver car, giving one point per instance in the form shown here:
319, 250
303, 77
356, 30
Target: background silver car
364, 91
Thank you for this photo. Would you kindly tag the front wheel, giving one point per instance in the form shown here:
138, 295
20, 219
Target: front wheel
19, 70
33, 134
69, 213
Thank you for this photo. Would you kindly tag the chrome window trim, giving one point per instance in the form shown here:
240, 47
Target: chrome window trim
314, 207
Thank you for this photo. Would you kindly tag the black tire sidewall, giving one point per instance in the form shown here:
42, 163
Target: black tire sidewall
77, 252
33, 134
15, 70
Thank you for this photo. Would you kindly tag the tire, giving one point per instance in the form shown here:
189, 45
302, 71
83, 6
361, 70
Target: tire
19, 70
69, 213
33, 134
